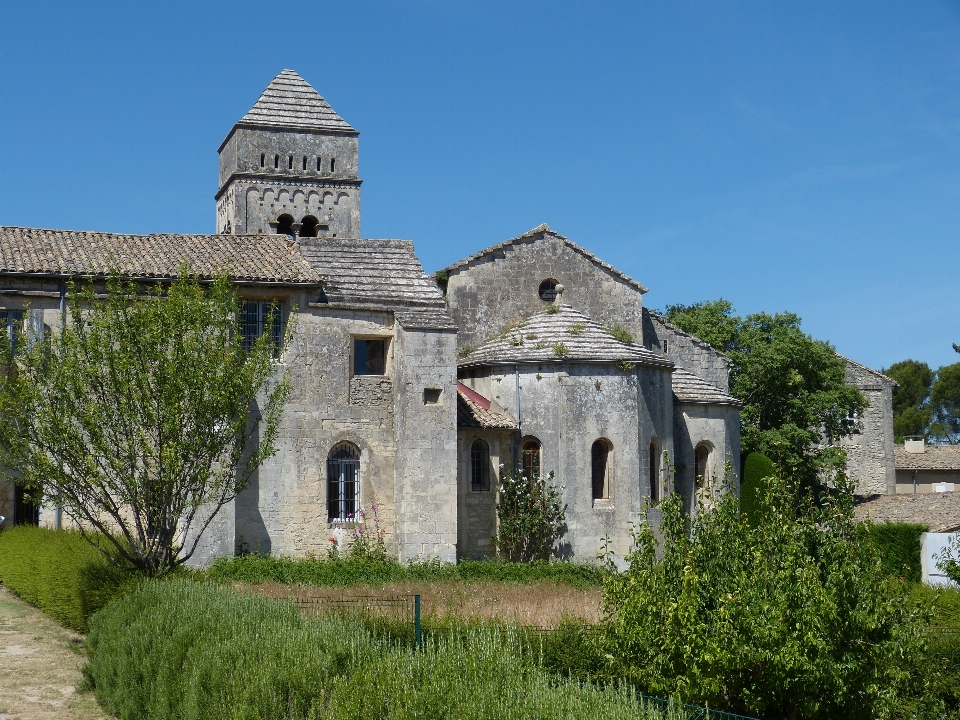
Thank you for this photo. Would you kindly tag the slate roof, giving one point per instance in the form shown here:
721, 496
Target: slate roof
934, 457
584, 340
688, 388
542, 230
379, 274
289, 101
257, 258
473, 411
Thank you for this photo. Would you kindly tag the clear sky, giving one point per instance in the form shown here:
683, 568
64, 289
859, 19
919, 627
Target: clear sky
800, 156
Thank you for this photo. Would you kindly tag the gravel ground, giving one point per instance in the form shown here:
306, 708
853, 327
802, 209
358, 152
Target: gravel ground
40, 667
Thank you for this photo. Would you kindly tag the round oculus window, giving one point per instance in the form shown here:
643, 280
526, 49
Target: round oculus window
548, 290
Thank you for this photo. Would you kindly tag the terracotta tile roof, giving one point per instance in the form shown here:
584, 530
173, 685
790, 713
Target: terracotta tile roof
934, 457
537, 340
289, 101
380, 274
473, 411
938, 511
260, 258
533, 234
688, 388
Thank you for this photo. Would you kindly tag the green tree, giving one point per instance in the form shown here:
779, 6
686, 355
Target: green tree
530, 516
793, 389
791, 618
945, 405
143, 416
911, 406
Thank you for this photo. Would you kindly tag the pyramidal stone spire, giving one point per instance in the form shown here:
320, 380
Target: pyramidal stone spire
290, 101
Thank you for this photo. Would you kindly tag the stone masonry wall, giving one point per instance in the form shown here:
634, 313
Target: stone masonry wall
477, 509
686, 351
502, 287
719, 427
870, 460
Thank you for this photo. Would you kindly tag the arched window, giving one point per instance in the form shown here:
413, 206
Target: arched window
600, 464
530, 452
703, 472
333, 164
655, 483
308, 226
285, 225
548, 290
479, 466
343, 482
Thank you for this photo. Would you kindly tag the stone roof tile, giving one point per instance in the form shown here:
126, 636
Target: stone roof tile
260, 258
576, 336
933, 457
380, 274
290, 101
542, 230
688, 388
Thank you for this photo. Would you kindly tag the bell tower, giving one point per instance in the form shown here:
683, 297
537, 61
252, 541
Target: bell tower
290, 166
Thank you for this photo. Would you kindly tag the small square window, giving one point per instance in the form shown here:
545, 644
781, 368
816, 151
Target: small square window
369, 357
431, 396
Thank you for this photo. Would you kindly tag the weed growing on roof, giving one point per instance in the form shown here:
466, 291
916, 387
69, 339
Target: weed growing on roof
577, 328
551, 309
620, 333
560, 349
466, 350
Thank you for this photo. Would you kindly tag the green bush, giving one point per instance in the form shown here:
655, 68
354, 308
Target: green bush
185, 650
898, 545
339, 572
756, 468
59, 572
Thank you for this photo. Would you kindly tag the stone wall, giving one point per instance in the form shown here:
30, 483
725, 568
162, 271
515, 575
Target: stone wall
716, 426
686, 351
870, 460
477, 509
501, 287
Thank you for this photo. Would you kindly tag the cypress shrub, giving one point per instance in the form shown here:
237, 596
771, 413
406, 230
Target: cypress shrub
187, 650
59, 572
898, 545
756, 468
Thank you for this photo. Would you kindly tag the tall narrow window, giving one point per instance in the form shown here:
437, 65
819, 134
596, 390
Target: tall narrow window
304, 162
343, 482
319, 160
290, 163
26, 511
276, 162
530, 452
479, 466
262, 159
369, 357
333, 164
703, 491
11, 323
600, 464
654, 472
258, 317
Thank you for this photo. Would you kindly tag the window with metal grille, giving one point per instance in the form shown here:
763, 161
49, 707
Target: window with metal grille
12, 323
259, 316
530, 458
369, 357
479, 466
343, 482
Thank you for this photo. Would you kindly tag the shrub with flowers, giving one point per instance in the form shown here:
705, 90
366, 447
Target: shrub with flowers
367, 541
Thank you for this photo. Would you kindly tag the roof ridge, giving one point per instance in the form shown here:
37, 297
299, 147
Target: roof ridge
680, 331
870, 370
543, 228
290, 101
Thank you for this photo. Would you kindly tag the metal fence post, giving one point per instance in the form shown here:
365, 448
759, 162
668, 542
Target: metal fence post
416, 620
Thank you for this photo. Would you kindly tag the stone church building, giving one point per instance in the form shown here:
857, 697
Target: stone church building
411, 391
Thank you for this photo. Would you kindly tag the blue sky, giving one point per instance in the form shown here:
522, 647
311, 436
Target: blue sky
800, 156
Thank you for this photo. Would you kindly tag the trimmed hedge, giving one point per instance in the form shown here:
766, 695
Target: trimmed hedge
346, 572
756, 468
182, 649
59, 572
899, 547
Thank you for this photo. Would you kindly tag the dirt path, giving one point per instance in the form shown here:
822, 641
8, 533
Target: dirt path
39, 667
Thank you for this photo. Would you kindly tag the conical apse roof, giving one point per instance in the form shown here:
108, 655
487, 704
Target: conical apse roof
290, 101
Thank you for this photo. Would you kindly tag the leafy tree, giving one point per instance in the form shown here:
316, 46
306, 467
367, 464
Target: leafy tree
945, 405
911, 408
530, 516
793, 389
143, 416
791, 618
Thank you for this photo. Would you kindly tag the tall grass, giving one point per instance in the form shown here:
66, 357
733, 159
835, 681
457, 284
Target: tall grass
345, 572
187, 650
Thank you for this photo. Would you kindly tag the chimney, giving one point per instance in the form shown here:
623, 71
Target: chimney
913, 444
